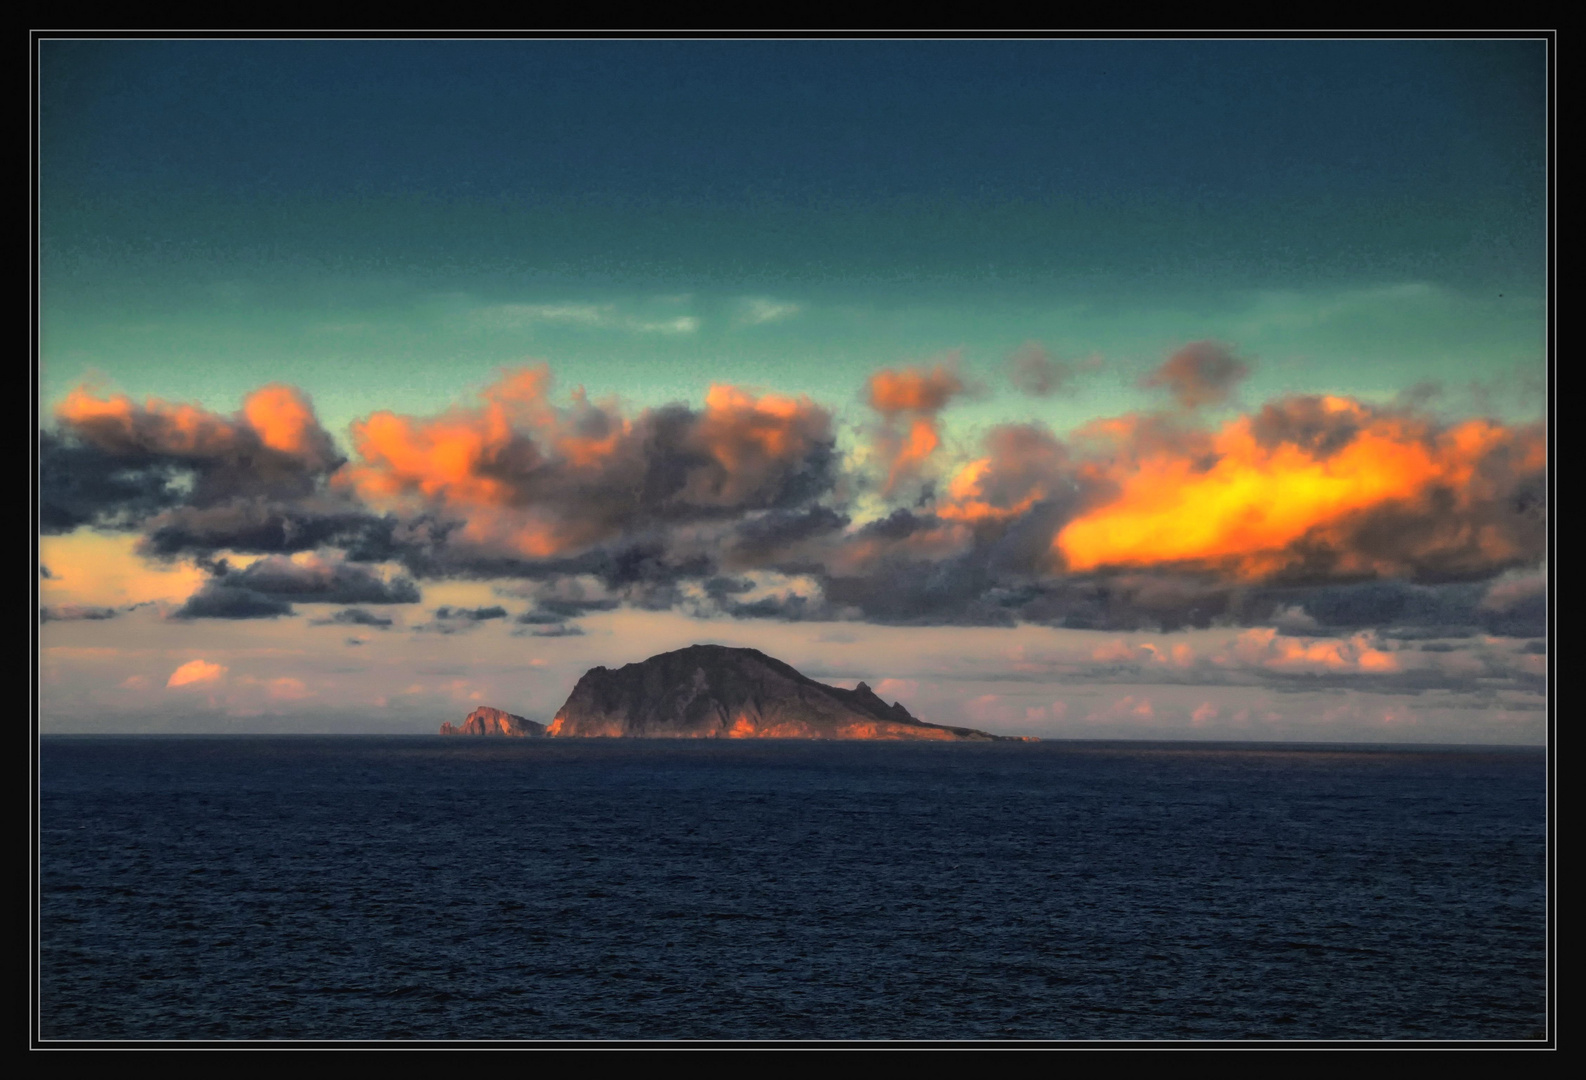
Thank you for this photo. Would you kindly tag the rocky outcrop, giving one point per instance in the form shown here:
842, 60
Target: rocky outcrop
487, 721
713, 692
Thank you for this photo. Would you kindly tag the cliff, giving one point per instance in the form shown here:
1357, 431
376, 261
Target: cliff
711, 691
487, 721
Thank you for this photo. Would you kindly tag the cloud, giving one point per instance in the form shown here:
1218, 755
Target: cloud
1311, 516
72, 612
195, 672
913, 390
82, 484
354, 617
1035, 372
115, 456
1179, 655
678, 324
287, 688
257, 525
776, 535
217, 601
266, 588
1128, 708
1294, 619
1024, 464
471, 614
1516, 589
453, 620
898, 688
590, 316
1265, 647
559, 630
757, 311
1201, 373
312, 579
1369, 493
520, 315
908, 400
531, 481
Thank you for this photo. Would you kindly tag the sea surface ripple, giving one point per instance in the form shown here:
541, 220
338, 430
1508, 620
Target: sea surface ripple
374, 888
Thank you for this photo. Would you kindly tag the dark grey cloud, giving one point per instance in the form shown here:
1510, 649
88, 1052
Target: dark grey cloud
260, 526
792, 608
112, 463
73, 612
1201, 373
453, 620
266, 588
1307, 422
319, 582
457, 620
218, 601
1405, 610
354, 617
766, 538
479, 614
81, 484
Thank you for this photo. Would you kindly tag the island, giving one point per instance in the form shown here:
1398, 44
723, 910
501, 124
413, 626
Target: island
487, 721
716, 692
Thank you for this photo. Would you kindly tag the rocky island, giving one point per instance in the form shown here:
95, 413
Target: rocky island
487, 721
712, 691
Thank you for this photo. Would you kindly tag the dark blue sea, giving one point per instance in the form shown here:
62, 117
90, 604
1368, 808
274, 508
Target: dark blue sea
375, 888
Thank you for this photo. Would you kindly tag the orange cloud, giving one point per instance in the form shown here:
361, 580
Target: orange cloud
196, 671
1265, 647
913, 390
1024, 464
284, 420
909, 399
1264, 496
897, 688
752, 440
278, 417
118, 425
482, 462
1127, 707
540, 481
1118, 652
289, 689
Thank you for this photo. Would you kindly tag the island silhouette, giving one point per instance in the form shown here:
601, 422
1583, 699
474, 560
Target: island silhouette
717, 692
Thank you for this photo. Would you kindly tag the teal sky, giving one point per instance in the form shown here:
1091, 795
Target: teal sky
386, 223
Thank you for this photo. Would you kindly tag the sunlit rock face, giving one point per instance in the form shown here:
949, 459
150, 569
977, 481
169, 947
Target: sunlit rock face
487, 721
713, 692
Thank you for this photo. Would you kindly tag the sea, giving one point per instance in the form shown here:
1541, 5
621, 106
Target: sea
377, 889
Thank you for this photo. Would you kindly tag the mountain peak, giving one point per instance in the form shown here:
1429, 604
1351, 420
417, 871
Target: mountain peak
717, 691
488, 721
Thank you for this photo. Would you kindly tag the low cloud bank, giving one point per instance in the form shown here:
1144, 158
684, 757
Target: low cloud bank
1307, 514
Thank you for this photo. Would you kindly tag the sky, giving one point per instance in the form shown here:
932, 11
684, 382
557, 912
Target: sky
1170, 389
